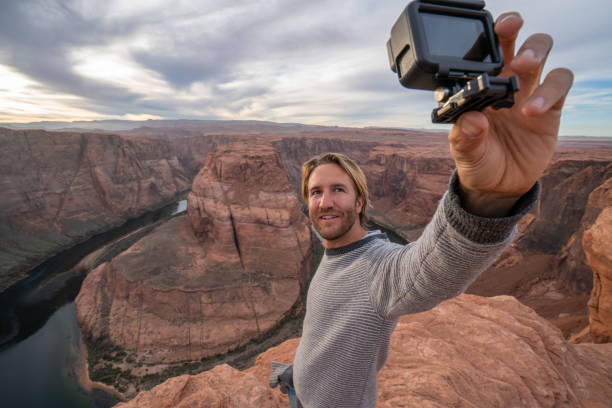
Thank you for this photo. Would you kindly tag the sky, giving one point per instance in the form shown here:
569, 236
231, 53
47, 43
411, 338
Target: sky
313, 62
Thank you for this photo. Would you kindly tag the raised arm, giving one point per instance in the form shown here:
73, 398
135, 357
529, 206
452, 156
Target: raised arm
499, 155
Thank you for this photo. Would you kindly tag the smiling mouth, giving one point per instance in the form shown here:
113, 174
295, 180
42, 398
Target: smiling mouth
328, 217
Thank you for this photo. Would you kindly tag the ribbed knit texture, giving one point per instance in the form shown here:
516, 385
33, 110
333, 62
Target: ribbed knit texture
359, 291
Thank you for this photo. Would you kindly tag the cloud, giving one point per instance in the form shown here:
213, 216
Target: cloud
321, 61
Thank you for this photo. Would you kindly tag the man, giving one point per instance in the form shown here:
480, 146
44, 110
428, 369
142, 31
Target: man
365, 283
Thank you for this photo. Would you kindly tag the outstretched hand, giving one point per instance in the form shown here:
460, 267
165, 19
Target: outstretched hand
500, 154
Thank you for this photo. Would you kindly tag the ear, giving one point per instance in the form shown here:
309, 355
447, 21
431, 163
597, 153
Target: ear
359, 204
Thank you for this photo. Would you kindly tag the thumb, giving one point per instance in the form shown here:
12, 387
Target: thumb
467, 136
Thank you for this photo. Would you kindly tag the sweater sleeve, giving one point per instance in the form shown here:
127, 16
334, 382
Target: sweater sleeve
453, 250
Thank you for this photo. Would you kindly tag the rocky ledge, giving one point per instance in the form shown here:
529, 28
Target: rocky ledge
468, 352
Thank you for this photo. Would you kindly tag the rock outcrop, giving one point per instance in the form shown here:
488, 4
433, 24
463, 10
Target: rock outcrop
596, 244
210, 281
221, 387
467, 352
564, 212
60, 188
574, 271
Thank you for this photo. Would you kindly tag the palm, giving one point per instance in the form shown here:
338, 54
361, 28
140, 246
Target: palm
513, 153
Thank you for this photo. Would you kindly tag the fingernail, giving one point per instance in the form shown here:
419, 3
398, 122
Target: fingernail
528, 53
537, 103
507, 17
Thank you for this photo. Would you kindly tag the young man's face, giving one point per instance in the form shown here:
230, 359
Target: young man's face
333, 206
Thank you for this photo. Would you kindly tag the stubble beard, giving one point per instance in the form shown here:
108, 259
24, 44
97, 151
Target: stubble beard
347, 218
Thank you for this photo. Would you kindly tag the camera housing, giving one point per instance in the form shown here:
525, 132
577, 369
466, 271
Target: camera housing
450, 46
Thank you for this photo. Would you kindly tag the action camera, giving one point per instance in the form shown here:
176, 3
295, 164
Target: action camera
449, 46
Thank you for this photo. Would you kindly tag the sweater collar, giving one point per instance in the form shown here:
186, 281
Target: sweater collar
369, 237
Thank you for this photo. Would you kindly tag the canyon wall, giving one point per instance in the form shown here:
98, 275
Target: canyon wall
596, 242
568, 206
60, 188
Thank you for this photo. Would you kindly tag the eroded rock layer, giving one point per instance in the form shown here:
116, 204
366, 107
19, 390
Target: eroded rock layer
210, 281
573, 194
468, 352
596, 244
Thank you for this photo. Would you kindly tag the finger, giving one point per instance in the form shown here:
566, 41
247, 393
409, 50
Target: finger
467, 135
551, 94
530, 60
507, 28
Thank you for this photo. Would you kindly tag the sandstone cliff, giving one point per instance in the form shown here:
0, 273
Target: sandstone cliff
564, 212
61, 188
205, 283
467, 352
596, 244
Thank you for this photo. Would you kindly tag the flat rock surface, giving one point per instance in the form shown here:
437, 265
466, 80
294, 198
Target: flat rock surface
467, 352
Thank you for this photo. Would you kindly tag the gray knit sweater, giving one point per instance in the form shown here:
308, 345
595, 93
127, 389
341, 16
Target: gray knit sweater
359, 291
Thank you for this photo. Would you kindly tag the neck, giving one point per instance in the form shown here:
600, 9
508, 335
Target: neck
353, 235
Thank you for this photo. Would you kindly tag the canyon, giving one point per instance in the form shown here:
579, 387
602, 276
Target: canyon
234, 269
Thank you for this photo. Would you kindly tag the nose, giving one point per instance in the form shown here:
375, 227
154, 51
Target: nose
326, 201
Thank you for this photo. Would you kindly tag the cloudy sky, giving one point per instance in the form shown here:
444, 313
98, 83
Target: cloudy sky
315, 61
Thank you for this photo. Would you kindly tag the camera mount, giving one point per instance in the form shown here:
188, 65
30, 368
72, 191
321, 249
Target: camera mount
450, 46
477, 94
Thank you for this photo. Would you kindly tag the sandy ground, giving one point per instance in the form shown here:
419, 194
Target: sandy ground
82, 373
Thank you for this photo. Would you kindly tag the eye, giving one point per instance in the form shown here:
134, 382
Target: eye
315, 192
339, 190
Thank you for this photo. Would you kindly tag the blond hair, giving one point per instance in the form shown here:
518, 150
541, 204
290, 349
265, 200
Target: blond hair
350, 168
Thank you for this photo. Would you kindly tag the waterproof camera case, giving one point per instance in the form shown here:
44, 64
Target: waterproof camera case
449, 46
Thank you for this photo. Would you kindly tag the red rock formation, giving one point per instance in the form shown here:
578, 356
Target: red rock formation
573, 268
596, 244
469, 351
562, 210
206, 283
221, 387
246, 212
61, 188
487, 352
